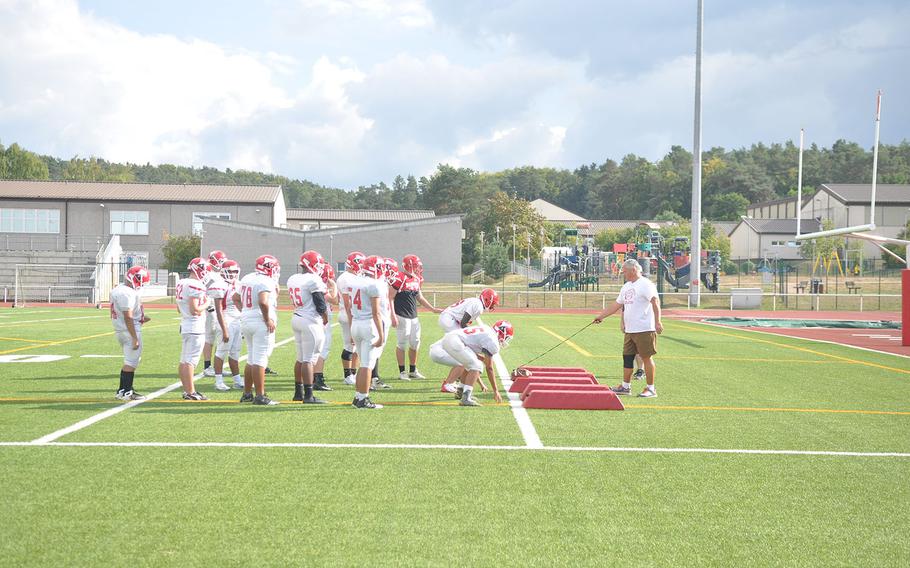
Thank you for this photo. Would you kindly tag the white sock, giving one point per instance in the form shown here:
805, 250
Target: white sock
468, 390
359, 395
650, 388
219, 378
238, 378
626, 385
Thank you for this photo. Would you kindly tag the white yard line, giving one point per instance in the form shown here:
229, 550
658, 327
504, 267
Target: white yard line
528, 432
26, 322
118, 409
823, 453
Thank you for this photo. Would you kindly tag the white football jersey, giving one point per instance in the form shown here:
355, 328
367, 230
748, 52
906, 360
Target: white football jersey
344, 287
211, 279
250, 287
471, 306
223, 291
362, 289
190, 288
301, 288
385, 309
478, 339
125, 298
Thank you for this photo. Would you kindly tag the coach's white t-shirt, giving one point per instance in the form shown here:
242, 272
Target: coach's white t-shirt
638, 315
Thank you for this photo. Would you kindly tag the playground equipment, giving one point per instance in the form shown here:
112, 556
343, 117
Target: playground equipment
673, 262
579, 270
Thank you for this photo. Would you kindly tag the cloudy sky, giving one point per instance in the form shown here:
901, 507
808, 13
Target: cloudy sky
351, 92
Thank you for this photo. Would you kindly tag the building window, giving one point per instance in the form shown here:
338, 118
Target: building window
129, 222
197, 220
29, 220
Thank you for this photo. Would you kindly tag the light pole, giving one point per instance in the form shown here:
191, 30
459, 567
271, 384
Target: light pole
497, 233
528, 281
695, 241
513, 244
481, 256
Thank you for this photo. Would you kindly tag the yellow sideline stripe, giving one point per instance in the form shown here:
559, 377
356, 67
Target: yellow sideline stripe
24, 340
455, 403
702, 329
740, 359
571, 344
770, 409
73, 340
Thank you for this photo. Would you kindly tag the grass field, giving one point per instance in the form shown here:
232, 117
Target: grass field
698, 476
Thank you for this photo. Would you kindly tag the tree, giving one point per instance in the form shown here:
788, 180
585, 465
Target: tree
495, 260
504, 212
727, 207
179, 250
17, 163
93, 169
899, 250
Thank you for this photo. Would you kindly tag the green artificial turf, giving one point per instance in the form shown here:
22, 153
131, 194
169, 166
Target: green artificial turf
718, 388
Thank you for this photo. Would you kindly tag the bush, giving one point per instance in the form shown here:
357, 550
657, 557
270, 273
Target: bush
467, 268
179, 250
748, 267
729, 268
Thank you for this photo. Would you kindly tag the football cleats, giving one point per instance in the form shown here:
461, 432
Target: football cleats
354, 262
372, 267
412, 265
489, 298
312, 261
137, 277
216, 259
199, 267
504, 332
269, 266
328, 273
230, 270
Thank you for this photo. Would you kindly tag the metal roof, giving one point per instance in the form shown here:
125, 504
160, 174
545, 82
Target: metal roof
782, 226
554, 213
861, 193
118, 191
359, 214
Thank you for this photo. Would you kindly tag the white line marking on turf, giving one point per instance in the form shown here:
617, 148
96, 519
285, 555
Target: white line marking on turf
25, 322
468, 447
528, 432
43, 440
100, 356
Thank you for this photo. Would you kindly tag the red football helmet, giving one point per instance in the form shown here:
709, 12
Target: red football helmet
328, 273
504, 332
396, 279
216, 259
354, 262
372, 266
230, 270
390, 267
199, 267
489, 298
312, 261
412, 265
269, 266
137, 277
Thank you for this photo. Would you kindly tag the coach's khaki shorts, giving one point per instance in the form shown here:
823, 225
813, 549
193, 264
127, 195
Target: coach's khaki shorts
644, 344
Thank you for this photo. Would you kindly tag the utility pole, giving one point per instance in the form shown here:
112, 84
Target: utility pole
695, 242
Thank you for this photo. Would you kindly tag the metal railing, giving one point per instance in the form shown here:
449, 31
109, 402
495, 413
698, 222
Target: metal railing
52, 243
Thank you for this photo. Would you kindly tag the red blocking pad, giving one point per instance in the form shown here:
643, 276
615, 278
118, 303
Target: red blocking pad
560, 386
574, 400
521, 383
536, 369
552, 373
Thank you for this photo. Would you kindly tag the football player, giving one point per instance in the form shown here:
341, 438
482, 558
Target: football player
468, 348
212, 279
363, 306
404, 288
331, 300
191, 301
350, 361
228, 337
128, 316
258, 301
385, 268
460, 315
307, 291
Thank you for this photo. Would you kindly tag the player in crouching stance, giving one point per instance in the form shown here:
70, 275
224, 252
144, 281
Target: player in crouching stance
363, 308
307, 291
469, 347
258, 300
228, 337
191, 300
212, 280
127, 316
404, 289
460, 315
